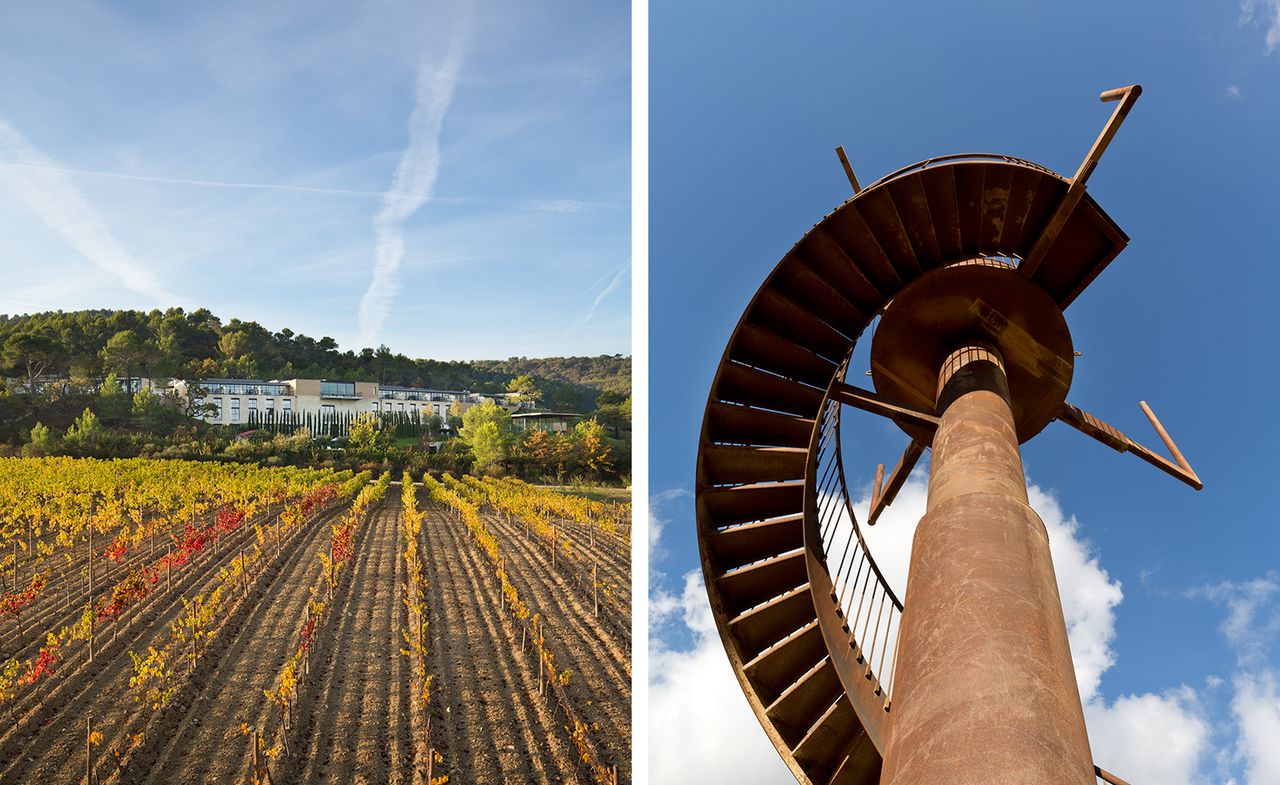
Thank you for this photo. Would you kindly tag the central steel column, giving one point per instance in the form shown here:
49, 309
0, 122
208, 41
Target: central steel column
985, 690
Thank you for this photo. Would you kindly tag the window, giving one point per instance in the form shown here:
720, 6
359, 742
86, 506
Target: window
374, 407
287, 405
326, 410
235, 410
253, 410
400, 408
217, 410
271, 409
330, 389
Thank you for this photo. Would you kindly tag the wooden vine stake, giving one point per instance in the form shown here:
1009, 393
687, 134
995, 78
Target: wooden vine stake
88, 749
595, 590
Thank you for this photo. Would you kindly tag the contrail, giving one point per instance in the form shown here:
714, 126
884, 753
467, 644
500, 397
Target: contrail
532, 205
204, 183
411, 187
591, 311
40, 182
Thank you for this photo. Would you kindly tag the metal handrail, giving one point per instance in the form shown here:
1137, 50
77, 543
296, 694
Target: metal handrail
954, 157
867, 609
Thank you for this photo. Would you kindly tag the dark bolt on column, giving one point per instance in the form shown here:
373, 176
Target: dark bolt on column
985, 690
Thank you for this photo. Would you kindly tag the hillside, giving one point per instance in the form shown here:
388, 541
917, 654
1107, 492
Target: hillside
199, 344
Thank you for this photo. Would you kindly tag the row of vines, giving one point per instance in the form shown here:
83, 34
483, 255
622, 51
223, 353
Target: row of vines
552, 680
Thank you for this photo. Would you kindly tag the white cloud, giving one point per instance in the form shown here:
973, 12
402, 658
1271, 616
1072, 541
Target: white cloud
413, 184
658, 519
1233, 91
1257, 710
700, 727
1252, 620
1150, 738
1251, 627
1266, 12
38, 181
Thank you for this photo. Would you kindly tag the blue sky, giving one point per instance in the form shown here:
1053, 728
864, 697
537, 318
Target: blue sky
451, 179
1173, 596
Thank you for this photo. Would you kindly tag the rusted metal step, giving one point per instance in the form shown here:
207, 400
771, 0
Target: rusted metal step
750, 585
912, 206
779, 667
733, 424
773, 310
802, 704
756, 345
754, 502
753, 387
845, 247
861, 766
881, 214
828, 743
765, 626
803, 285
940, 189
753, 541
732, 465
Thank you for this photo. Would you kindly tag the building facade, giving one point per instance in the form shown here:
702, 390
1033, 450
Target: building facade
320, 401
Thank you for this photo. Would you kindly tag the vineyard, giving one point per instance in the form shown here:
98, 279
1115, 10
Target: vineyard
182, 622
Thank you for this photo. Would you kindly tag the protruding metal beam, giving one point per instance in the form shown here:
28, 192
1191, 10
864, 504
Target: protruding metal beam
1112, 437
1126, 96
880, 501
848, 170
868, 401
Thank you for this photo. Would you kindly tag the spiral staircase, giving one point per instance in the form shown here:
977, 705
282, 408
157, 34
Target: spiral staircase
807, 619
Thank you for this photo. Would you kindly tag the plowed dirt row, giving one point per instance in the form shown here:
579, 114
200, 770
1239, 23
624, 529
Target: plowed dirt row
51, 735
600, 684
609, 553
346, 729
488, 720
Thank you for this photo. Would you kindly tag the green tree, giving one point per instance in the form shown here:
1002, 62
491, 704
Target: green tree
127, 351
613, 410
85, 432
151, 413
32, 353
114, 404
488, 447
43, 441
524, 391
486, 429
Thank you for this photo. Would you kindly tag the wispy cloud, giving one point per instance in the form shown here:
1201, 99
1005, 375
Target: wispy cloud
1263, 12
412, 186
38, 180
605, 292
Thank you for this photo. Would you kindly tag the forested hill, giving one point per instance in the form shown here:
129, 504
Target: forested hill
198, 344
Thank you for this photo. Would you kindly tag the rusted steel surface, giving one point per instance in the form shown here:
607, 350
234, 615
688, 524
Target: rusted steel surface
974, 299
984, 681
881, 499
1115, 439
